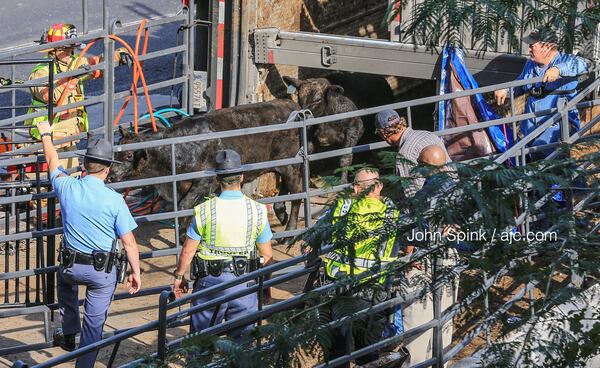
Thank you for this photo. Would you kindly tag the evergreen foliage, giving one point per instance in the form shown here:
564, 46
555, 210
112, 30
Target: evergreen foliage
492, 22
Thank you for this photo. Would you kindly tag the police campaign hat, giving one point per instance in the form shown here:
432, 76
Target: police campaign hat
100, 150
541, 34
228, 161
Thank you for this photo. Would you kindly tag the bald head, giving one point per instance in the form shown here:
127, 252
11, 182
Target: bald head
366, 179
432, 155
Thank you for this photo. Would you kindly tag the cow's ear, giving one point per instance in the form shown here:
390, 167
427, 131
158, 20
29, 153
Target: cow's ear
123, 131
335, 88
292, 81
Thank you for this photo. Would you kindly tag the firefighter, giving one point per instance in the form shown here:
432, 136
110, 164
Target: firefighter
223, 238
73, 121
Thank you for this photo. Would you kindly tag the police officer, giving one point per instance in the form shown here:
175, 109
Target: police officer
368, 221
93, 216
224, 234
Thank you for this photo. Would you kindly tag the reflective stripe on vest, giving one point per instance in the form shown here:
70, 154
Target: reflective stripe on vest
358, 262
369, 251
213, 235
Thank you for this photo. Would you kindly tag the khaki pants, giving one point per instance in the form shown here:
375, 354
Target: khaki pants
421, 311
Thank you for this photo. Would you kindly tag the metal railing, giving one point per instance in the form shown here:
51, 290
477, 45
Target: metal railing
518, 151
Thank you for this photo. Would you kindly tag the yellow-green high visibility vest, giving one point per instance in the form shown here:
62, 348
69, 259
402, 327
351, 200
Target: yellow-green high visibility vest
38, 105
371, 220
229, 227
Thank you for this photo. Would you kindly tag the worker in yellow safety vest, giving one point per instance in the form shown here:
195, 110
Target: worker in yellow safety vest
222, 241
366, 226
369, 218
67, 90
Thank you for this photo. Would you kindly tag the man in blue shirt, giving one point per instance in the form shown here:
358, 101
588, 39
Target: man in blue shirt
224, 235
93, 217
559, 85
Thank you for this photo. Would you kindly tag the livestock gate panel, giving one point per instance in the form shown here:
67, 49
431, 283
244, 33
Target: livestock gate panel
22, 256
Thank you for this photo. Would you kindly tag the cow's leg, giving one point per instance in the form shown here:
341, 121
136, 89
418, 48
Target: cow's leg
280, 212
291, 180
345, 161
351, 140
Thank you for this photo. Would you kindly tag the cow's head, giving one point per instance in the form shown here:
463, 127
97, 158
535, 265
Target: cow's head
313, 93
321, 98
133, 163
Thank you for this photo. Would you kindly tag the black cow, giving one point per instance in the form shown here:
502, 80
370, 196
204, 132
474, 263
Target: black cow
322, 99
197, 156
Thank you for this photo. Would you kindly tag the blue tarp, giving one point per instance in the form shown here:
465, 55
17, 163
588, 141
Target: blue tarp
455, 57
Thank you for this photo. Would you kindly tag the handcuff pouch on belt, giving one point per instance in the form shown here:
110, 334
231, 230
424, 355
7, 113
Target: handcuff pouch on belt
214, 267
241, 265
66, 257
202, 267
101, 261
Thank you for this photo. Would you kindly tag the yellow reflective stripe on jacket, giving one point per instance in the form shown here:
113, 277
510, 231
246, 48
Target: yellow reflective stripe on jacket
372, 221
229, 227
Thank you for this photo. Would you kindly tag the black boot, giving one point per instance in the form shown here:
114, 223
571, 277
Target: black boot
67, 342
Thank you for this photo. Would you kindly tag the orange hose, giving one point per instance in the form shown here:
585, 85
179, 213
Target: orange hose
135, 75
141, 74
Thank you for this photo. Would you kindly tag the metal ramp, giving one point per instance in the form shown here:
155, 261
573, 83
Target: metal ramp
356, 54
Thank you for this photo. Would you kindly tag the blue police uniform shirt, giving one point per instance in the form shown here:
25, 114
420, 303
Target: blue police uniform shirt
263, 237
93, 214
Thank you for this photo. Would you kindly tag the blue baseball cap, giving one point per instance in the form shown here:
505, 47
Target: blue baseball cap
386, 118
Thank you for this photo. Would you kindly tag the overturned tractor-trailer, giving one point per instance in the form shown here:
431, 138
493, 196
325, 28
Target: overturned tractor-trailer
340, 61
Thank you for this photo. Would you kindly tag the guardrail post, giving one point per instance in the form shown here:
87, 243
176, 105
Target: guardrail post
51, 254
109, 79
161, 349
306, 173
189, 63
175, 200
40, 263
438, 345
